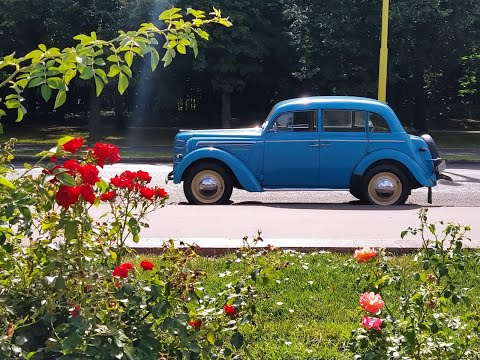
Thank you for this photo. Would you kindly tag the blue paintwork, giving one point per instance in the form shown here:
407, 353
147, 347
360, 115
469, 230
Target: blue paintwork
261, 158
241, 171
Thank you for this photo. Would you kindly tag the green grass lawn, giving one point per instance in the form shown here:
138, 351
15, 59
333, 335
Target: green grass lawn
310, 309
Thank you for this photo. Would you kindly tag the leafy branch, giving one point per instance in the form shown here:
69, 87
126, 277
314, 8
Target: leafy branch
52, 69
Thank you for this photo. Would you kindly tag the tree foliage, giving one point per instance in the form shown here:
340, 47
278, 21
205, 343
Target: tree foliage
51, 69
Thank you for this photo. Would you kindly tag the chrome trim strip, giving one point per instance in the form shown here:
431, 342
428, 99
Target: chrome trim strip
276, 141
212, 143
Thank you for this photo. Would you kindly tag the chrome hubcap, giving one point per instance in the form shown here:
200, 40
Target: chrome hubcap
207, 186
384, 188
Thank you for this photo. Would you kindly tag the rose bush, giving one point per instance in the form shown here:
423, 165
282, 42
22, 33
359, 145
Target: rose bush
65, 288
434, 318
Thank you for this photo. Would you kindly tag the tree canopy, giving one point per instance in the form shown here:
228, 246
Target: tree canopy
277, 49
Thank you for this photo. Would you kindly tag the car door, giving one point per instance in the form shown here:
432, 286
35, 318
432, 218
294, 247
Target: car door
291, 153
343, 143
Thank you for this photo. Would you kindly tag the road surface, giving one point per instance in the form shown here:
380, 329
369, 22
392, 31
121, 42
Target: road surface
307, 219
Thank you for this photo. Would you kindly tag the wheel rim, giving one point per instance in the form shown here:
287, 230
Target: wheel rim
385, 188
208, 186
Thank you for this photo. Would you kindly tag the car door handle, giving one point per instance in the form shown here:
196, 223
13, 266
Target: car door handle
314, 145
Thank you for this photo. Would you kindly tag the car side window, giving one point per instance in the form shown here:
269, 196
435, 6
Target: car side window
296, 121
344, 121
377, 124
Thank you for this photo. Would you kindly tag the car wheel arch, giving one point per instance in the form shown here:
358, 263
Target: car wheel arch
357, 179
221, 163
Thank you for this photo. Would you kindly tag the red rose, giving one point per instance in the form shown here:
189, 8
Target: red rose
146, 265
230, 310
67, 196
71, 165
108, 196
121, 182
103, 152
195, 323
147, 193
161, 192
74, 311
89, 174
73, 145
143, 175
122, 270
53, 159
87, 193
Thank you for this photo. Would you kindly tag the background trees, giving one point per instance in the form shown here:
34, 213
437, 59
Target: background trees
277, 49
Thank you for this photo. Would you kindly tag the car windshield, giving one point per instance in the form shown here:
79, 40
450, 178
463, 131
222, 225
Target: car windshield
267, 119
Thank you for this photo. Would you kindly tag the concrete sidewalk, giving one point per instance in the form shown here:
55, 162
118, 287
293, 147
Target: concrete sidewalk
339, 228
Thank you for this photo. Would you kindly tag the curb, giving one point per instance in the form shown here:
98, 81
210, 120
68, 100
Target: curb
217, 252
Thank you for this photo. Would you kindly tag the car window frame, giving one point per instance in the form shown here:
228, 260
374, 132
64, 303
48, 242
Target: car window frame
315, 117
365, 127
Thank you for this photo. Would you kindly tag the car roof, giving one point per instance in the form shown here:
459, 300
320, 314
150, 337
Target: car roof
332, 101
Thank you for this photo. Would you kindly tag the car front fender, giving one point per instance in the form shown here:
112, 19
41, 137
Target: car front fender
244, 176
416, 170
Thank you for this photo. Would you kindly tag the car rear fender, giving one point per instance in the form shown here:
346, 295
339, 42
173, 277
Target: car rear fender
244, 176
416, 170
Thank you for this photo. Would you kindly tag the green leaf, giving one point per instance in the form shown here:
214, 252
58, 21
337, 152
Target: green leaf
1, 126
64, 140
46, 92
237, 340
6, 183
154, 59
211, 337
56, 83
181, 49
114, 70
129, 58
66, 179
70, 229
2, 113
59, 283
36, 82
136, 238
126, 70
87, 73
98, 85
71, 342
167, 14
167, 59
61, 98
20, 112
42, 47
102, 75
122, 83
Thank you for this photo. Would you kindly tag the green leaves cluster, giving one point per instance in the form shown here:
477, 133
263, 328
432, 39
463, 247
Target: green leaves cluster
434, 318
52, 70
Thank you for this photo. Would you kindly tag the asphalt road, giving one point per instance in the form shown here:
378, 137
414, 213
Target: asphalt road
307, 219
464, 191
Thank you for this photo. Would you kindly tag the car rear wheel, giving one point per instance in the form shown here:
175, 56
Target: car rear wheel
386, 185
208, 184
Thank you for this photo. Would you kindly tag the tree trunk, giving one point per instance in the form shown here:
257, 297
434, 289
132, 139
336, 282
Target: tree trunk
226, 114
420, 109
94, 118
120, 108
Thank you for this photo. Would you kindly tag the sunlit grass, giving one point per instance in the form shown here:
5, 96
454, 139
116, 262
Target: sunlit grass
311, 305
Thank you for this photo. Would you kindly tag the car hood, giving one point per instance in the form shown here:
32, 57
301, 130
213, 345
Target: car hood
221, 133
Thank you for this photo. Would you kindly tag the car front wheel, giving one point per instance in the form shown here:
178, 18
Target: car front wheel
208, 184
386, 185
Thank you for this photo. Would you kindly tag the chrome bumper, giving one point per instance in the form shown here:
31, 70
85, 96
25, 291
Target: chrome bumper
169, 177
440, 167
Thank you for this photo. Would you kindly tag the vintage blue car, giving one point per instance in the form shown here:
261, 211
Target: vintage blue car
311, 143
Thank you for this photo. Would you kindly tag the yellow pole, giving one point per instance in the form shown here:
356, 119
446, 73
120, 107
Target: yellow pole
382, 71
